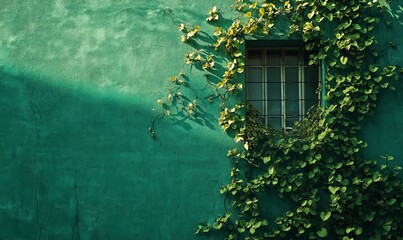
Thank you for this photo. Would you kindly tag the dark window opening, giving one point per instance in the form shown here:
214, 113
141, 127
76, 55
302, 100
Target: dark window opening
280, 84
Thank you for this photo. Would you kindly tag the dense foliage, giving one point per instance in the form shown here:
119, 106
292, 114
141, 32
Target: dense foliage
317, 166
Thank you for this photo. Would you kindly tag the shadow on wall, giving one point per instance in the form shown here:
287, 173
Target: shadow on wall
396, 13
186, 99
183, 104
62, 148
82, 164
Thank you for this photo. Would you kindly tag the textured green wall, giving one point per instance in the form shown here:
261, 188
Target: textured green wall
78, 82
384, 130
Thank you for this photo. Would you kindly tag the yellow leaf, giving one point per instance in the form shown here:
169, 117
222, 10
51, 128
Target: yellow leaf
343, 60
246, 146
271, 170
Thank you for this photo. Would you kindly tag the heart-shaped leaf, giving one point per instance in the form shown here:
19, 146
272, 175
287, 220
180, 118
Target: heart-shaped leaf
325, 215
333, 189
322, 232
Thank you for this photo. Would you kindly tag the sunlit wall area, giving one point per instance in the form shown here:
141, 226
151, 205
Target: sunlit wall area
78, 84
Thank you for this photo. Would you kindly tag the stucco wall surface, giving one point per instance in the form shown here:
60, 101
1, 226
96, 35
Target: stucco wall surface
383, 131
78, 82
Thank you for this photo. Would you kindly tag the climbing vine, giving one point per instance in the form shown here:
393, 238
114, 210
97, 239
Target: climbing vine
317, 166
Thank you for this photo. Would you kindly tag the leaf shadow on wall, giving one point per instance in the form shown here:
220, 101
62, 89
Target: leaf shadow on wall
192, 95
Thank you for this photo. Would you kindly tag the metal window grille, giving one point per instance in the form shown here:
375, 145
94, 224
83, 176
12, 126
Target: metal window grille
280, 84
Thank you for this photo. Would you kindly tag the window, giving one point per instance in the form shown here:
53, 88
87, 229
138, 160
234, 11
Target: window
280, 84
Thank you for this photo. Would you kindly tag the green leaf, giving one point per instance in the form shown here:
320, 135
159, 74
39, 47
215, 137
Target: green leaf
373, 68
333, 189
355, 8
321, 135
384, 85
343, 60
369, 217
311, 14
346, 24
286, 228
351, 109
391, 201
368, 42
357, 27
257, 225
378, 79
217, 225
349, 229
325, 216
322, 232
266, 159
271, 170
252, 230
232, 152
238, 53
332, 108
289, 214
368, 91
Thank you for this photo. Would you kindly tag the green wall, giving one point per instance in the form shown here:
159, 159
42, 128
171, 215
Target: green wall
78, 82
384, 130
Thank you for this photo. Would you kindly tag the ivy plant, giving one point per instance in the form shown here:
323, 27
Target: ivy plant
318, 166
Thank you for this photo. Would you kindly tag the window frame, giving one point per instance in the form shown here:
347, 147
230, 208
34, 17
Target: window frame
302, 64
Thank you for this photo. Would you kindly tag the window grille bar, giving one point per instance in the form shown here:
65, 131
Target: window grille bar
266, 101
